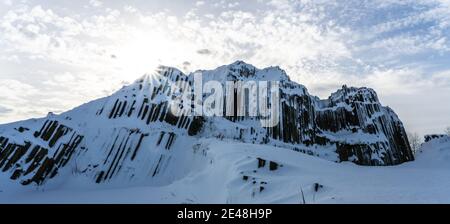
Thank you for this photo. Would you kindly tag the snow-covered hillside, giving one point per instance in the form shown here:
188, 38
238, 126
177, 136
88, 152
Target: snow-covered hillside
231, 172
132, 139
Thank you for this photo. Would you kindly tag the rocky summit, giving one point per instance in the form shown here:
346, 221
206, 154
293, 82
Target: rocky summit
133, 137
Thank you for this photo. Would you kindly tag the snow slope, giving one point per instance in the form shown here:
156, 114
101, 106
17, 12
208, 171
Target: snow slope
227, 172
129, 147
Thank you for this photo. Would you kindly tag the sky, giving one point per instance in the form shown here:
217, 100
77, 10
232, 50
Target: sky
56, 55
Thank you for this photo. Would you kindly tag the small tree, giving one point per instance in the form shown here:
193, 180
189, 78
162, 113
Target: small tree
414, 141
447, 131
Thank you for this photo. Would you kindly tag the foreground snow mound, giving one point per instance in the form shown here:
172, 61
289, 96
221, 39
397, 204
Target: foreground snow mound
435, 153
232, 172
132, 139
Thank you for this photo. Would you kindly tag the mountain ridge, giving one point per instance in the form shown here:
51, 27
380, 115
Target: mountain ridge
131, 136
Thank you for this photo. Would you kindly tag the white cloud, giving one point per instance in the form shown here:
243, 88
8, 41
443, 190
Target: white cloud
322, 44
14, 98
199, 3
7, 2
130, 9
95, 3
233, 4
4, 110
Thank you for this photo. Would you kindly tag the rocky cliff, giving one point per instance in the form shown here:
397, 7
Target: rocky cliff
132, 136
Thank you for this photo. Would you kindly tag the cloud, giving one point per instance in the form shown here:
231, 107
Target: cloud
130, 9
186, 66
67, 56
233, 4
204, 51
15, 97
4, 110
199, 3
7, 2
95, 3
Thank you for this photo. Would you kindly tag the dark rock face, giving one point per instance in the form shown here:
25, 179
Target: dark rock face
39, 157
149, 111
362, 114
134, 129
352, 120
428, 138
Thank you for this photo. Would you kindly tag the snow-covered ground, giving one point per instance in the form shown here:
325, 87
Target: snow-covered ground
227, 172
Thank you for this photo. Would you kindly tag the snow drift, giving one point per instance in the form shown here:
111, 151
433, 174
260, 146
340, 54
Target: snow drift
232, 172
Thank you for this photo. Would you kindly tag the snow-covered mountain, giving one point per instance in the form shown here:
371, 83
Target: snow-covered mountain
132, 139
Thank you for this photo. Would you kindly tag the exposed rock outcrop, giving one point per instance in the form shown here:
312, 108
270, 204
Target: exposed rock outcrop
132, 135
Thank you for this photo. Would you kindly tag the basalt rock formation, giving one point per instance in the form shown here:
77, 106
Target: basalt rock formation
132, 136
